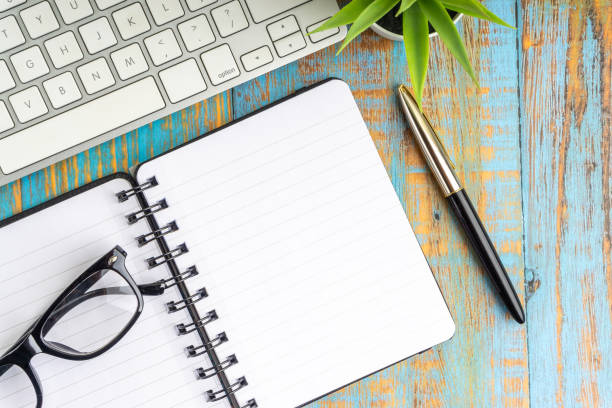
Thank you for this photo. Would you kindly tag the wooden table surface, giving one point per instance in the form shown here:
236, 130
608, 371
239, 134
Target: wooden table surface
533, 146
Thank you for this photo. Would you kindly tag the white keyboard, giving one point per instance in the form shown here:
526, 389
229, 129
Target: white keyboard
75, 73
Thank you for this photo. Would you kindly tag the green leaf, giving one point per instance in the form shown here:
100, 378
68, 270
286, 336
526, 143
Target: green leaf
369, 16
416, 42
406, 4
475, 9
441, 21
346, 15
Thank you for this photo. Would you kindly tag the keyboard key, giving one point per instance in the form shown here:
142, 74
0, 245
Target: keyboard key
220, 64
39, 19
163, 47
28, 104
98, 35
80, 124
196, 33
10, 33
283, 28
62, 90
29, 64
316, 37
264, 9
63, 50
290, 44
6, 122
131, 21
8, 4
96, 76
129, 61
182, 80
165, 11
197, 4
257, 58
104, 4
74, 10
229, 18
6, 79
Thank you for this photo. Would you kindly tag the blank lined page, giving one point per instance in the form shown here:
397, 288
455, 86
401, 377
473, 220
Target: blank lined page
304, 247
41, 255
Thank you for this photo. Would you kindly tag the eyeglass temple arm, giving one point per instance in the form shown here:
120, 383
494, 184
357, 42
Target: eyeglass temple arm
150, 289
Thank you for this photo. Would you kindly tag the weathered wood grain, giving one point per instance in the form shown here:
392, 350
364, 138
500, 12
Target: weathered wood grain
566, 130
485, 364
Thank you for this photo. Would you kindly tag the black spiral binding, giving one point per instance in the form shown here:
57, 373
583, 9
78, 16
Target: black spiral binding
134, 217
202, 373
178, 278
158, 233
218, 395
166, 257
183, 329
175, 306
182, 277
194, 351
126, 194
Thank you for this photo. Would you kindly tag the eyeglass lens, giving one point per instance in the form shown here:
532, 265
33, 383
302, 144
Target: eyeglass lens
16, 389
92, 315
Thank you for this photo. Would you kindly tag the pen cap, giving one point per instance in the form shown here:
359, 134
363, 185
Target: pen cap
433, 150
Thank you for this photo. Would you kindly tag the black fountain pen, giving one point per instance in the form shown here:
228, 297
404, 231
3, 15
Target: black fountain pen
442, 169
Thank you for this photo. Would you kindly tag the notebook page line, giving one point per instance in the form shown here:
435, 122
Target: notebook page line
106, 385
130, 245
194, 243
328, 317
259, 282
18, 292
197, 176
302, 248
197, 193
198, 223
385, 321
194, 226
59, 239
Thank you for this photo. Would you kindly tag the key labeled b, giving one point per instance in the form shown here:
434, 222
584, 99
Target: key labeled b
62, 90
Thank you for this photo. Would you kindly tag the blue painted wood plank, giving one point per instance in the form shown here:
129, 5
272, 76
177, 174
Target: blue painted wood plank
566, 134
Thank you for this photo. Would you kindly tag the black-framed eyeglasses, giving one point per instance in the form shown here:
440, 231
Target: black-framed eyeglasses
86, 320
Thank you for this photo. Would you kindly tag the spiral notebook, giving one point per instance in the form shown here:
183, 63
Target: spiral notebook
292, 266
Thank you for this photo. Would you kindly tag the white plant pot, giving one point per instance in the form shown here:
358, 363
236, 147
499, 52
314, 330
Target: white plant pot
383, 32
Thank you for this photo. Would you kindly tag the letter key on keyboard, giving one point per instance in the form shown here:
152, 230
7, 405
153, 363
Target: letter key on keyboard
10, 34
63, 50
39, 19
30, 64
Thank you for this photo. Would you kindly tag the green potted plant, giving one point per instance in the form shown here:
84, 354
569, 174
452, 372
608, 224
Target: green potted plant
413, 21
